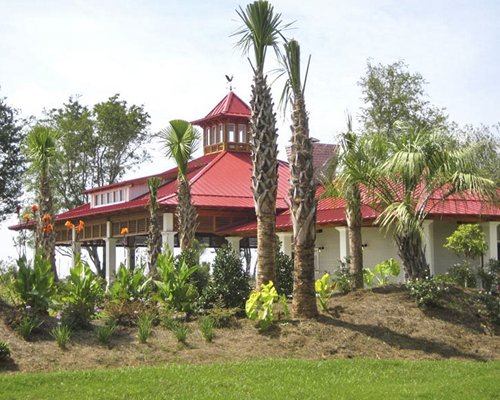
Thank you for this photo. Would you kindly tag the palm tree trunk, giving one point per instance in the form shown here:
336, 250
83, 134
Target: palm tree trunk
186, 215
411, 252
264, 176
46, 238
354, 224
303, 209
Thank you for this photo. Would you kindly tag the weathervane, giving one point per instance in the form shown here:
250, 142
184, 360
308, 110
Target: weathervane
229, 80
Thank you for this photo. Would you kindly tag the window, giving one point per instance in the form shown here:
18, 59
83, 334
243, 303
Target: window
221, 134
206, 139
96, 200
102, 198
212, 135
231, 133
242, 131
108, 197
114, 196
121, 194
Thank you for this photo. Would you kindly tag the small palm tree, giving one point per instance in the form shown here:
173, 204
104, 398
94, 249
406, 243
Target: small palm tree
154, 235
261, 30
41, 147
181, 141
302, 187
421, 170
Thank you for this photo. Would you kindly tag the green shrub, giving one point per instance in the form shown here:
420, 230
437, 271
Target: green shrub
27, 325
489, 275
492, 306
427, 292
144, 327
174, 287
229, 282
324, 288
180, 331
463, 275
130, 285
34, 286
260, 305
105, 332
468, 240
80, 295
381, 272
125, 312
343, 278
4, 351
191, 256
284, 273
207, 328
224, 317
62, 334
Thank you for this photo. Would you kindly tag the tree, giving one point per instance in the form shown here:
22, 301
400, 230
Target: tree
468, 240
12, 159
302, 187
41, 148
181, 141
261, 30
393, 94
154, 234
421, 170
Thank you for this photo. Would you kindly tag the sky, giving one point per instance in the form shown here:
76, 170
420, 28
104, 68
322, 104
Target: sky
171, 56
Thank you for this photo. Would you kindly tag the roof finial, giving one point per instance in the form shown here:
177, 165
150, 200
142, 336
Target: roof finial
229, 80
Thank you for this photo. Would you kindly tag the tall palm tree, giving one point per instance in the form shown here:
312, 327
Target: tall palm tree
302, 187
41, 146
154, 235
181, 141
421, 170
261, 30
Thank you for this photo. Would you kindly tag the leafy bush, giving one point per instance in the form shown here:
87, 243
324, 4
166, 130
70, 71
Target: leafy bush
489, 275
383, 271
34, 286
468, 240
463, 275
284, 273
224, 317
207, 328
4, 351
229, 283
144, 327
174, 287
260, 305
27, 325
191, 256
130, 285
62, 334
492, 306
105, 332
180, 331
343, 278
324, 288
81, 293
125, 312
427, 292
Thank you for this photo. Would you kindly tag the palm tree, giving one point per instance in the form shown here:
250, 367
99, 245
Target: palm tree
421, 170
181, 141
261, 29
41, 146
302, 187
154, 235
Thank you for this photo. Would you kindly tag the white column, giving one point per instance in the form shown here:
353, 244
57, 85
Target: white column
110, 253
343, 242
76, 247
490, 229
168, 234
234, 242
428, 244
286, 239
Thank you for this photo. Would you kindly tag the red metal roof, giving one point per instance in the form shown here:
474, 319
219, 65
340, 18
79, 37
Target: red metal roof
230, 106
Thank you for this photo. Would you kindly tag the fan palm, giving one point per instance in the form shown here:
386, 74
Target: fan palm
421, 170
154, 235
181, 141
302, 187
261, 30
41, 147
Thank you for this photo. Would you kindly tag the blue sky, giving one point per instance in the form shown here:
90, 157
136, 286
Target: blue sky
171, 56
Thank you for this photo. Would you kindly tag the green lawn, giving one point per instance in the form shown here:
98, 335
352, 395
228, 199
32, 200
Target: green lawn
273, 379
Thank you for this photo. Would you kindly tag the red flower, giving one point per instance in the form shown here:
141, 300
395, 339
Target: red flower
48, 229
69, 224
124, 231
46, 218
80, 227
34, 208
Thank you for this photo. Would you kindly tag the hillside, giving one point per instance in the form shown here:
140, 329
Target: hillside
380, 323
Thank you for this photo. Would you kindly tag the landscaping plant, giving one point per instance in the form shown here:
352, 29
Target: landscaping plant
324, 288
27, 325
260, 305
144, 327
343, 278
130, 285
62, 334
207, 328
4, 351
105, 332
383, 271
489, 276
428, 291
284, 272
180, 331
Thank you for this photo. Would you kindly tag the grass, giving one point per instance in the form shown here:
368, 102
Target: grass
271, 379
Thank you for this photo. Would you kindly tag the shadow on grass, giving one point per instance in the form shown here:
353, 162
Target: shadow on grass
402, 341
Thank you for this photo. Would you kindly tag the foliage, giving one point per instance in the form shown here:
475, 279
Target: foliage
27, 325
384, 270
130, 285
224, 317
62, 334
229, 283
490, 275
191, 256
180, 331
463, 275
284, 272
144, 327
125, 312
104, 332
173, 286
4, 351
207, 328
12, 165
81, 293
260, 305
428, 291
324, 288
34, 286
343, 278
492, 305
468, 240
392, 94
